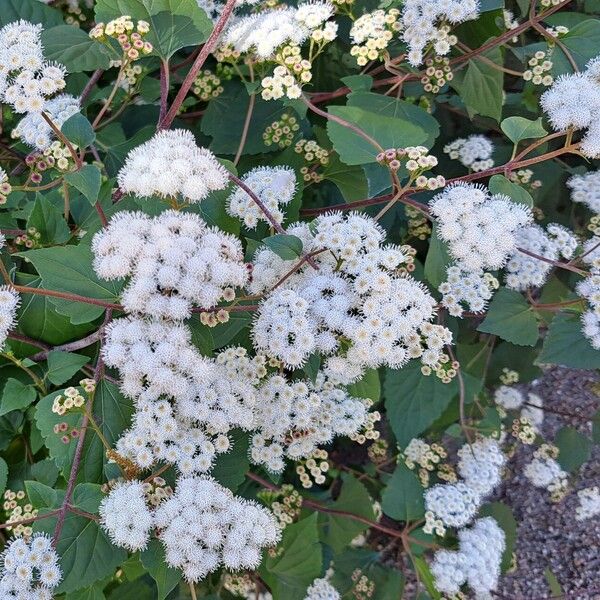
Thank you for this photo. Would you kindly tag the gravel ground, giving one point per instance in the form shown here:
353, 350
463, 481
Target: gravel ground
548, 534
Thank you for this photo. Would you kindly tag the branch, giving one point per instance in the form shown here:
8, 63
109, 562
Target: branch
70, 347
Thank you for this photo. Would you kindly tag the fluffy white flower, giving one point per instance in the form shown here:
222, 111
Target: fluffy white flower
174, 261
509, 398
35, 131
275, 186
9, 302
545, 472
321, 589
476, 563
589, 288
454, 503
533, 411
203, 526
474, 152
589, 503
480, 229
294, 418
30, 568
586, 189
125, 516
473, 289
427, 22
480, 465
172, 165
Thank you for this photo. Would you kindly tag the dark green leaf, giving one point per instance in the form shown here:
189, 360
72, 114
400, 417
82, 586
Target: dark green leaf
63, 365
16, 396
3, 475
78, 129
438, 260
287, 247
402, 498
231, 467
33, 11
48, 221
73, 47
506, 520
368, 386
500, 185
574, 448
87, 180
153, 558
42, 496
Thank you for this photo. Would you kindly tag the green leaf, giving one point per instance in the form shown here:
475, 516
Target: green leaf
500, 185
480, 86
437, 261
69, 269
574, 448
153, 558
358, 83
596, 428
78, 129
506, 520
413, 401
553, 583
16, 396
85, 550
368, 386
565, 345
63, 365
231, 467
3, 475
49, 222
337, 531
350, 180
582, 41
33, 11
426, 577
174, 24
42, 496
87, 180
44, 471
73, 47
297, 562
94, 592
388, 132
519, 128
511, 318
285, 246
225, 140
402, 498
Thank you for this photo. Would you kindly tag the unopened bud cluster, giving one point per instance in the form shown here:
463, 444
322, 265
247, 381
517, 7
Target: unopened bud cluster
59, 155
315, 156
437, 74
418, 160
129, 35
207, 85
541, 66
18, 509
29, 239
372, 33
282, 131
313, 468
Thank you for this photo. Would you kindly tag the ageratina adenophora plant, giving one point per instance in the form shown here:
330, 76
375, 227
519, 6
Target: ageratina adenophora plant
274, 278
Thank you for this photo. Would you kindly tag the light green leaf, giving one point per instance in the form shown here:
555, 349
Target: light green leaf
413, 401
574, 448
87, 180
74, 48
368, 386
566, 345
519, 128
426, 577
153, 558
285, 246
78, 129
500, 185
511, 318
402, 498
16, 396
49, 222
42, 496
553, 583
582, 41
63, 365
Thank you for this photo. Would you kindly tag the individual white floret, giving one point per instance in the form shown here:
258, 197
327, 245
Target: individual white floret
586, 190
321, 589
29, 568
203, 526
589, 503
9, 302
474, 152
125, 516
454, 503
274, 186
172, 165
478, 228
174, 261
480, 465
473, 289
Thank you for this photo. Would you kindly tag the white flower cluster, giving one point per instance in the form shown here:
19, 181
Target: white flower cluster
473, 288
355, 296
174, 261
474, 152
9, 302
427, 23
476, 563
125, 516
508, 397
455, 504
524, 271
589, 288
544, 472
480, 229
204, 526
372, 32
294, 418
511, 398
30, 569
573, 101
321, 589
586, 189
264, 32
589, 503
171, 165
26, 79
275, 186
35, 131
